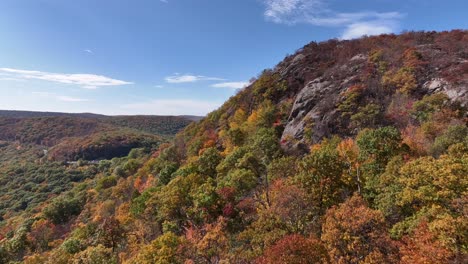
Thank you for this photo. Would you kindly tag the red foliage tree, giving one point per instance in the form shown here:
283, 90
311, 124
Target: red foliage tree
422, 247
295, 249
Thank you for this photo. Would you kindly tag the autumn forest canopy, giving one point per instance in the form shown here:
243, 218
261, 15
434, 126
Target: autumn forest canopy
351, 151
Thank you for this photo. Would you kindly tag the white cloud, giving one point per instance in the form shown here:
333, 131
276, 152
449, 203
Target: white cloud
71, 99
357, 30
188, 78
171, 107
88, 51
232, 85
316, 12
88, 81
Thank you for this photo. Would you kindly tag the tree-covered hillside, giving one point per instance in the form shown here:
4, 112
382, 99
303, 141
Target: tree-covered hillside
345, 152
72, 137
43, 156
159, 125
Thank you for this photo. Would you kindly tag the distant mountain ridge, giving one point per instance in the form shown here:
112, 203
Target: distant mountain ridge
24, 113
153, 124
87, 136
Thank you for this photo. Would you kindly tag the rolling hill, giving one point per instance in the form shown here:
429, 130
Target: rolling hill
86, 136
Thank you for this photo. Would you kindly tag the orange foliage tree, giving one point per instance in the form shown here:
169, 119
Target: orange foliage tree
354, 233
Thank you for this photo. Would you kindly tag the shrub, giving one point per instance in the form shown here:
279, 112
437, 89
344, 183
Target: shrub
423, 109
402, 80
106, 182
366, 116
61, 210
72, 246
95, 255
453, 135
167, 172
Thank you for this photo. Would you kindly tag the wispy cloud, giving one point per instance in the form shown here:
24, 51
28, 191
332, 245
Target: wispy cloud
62, 98
171, 107
71, 99
292, 11
88, 81
188, 78
232, 85
88, 51
317, 12
356, 30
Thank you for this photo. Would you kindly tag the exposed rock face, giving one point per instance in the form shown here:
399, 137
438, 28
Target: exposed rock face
454, 92
314, 106
314, 113
308, 107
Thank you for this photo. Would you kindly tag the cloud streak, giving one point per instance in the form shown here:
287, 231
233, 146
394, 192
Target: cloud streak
231, 85
188, 78
87, 81
317, 13
71, 99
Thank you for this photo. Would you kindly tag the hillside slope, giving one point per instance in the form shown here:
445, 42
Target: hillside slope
345, 152
40, 152
338, 88
87, 136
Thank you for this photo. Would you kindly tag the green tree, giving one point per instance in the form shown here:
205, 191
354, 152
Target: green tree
208, 162
62, 209
376, 148
320, 175
206, 202
243, 180
454, 134
167, 172
265, 144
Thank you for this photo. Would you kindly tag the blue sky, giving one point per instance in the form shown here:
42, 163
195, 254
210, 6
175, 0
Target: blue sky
176, 57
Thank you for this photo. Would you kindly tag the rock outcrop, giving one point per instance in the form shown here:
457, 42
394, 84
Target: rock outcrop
314, 113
